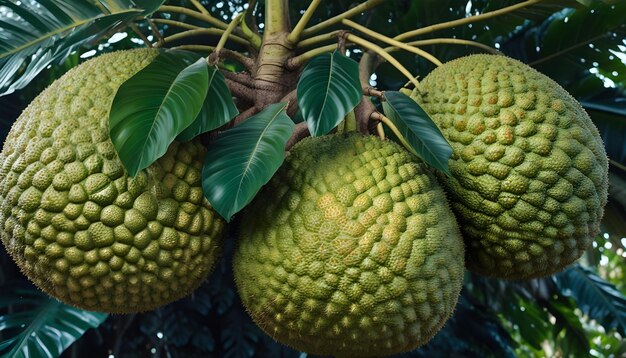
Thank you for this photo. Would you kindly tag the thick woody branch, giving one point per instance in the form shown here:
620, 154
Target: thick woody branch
245, 115
242, 78
246, 61
292, 103
300, 131
363, 112
241, 91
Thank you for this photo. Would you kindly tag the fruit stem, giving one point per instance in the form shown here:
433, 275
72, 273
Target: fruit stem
381, 117
380, 130
379, 51
390, 41
295, 34
463, 21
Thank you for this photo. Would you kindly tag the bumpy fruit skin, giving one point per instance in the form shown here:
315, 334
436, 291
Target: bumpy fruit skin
529, 171
350, 250
77, 225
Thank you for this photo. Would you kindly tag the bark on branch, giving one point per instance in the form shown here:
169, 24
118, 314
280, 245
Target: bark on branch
300, 132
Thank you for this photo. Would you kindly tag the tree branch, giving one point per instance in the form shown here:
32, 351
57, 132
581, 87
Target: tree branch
444, 40
244, 115
379, 51
300, 131
242, 78
204, 16
369, 4
196, 32
294, 36
363, 112
466, 20
246, 61
292, 103
390, 41
241, 91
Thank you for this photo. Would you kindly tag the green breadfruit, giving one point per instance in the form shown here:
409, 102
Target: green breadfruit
77, 225
529, 171
350, 250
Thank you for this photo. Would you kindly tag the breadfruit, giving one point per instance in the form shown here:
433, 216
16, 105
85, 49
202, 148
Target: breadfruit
350, 250
529, 170
74, 221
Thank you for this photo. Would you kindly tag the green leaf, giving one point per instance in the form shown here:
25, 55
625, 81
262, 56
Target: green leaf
595, 297
568, 328
38, 325
530, 320
419, 130
242, 159
41, 32
154, 106
328, 89
218, 108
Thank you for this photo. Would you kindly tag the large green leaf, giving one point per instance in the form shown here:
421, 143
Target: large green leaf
595, 297
530, 320
41, 32
217, 110
576, 40
328, 89
418, 129
35, 325
242, 159
568, 328
155, 106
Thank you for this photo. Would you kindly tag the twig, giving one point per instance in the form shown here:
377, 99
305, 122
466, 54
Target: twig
317, 39
463, 21
140, 34
379, 51
198, 15
155, 31
451, 41
369, 4
176, 23
390, 41
227, 32
369, 91
296, 62
202, 48
300, 131
294, 36
196, 32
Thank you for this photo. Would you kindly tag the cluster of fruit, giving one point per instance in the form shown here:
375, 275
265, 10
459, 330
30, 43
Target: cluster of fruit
352, 249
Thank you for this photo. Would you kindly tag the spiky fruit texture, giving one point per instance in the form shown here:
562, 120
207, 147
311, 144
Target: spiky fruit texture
350, 250
529, 171
77, 225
